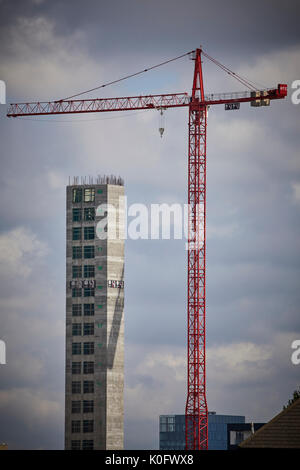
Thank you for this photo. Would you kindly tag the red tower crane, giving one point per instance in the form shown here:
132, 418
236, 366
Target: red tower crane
198, 103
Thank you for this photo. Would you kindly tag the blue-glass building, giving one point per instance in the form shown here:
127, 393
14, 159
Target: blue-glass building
172, 431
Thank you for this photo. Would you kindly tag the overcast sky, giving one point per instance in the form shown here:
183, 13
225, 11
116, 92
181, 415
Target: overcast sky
53, 49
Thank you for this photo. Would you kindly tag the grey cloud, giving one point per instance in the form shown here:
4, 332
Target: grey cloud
213, 23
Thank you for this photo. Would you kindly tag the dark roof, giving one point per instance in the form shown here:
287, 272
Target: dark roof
283, 431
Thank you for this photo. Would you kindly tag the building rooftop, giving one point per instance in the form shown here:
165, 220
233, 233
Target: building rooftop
283, 431
99, 179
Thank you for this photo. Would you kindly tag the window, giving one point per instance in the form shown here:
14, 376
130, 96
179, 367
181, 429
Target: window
76, 406
75, 445
89, 310
170, 423
76, 426
76, 271
89, 194
76, 292
89, 213
89, 270
167, 423
76, 310
87, 444
88, 425
88, 406
89, 251
77, 195
77, 252
76, 233
76, 215
89, 233
88, 329
88, 348
89, 292
76, 348
88, 367
76, 367
76, 329
236, 437
76, 387
88, 386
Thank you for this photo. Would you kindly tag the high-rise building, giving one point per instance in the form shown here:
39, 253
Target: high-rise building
94, 410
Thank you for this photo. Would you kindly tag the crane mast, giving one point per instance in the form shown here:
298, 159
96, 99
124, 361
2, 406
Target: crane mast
196, 414
196, 406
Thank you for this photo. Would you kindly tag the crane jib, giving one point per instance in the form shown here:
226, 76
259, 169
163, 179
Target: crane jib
131, 103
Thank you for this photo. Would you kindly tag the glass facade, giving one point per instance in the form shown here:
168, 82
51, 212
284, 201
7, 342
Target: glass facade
217, 430
172, 431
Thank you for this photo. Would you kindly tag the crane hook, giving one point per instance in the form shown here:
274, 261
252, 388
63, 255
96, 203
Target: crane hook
161, 122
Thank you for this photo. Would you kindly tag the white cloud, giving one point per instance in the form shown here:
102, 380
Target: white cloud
280, 66
124, 143
155, 383
237, 133
242, 378
239, 362
33, 407
20, 250
246, 378
167, 360
35, 45
31, 298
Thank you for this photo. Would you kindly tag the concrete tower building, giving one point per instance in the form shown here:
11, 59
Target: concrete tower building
94, 411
